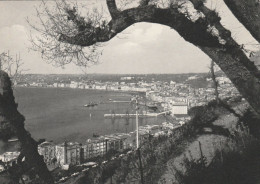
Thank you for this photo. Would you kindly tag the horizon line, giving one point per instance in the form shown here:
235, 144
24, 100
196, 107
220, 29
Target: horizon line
112, 73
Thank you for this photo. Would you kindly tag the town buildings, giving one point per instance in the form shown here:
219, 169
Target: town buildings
8, 159
47, 150
179, 108
9, 156
68, 153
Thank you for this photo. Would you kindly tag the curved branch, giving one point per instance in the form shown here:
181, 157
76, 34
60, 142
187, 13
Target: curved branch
112, 8
204, 31
194, 32
228, 55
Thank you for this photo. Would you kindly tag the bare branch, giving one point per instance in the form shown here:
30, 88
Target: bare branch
13, 66
62, 19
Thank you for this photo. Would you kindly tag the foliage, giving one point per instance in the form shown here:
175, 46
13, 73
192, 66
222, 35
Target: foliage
6, 130
194, 167
251, 120
235, 162
203, 115
236, 166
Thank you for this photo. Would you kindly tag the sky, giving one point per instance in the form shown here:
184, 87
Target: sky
142, 48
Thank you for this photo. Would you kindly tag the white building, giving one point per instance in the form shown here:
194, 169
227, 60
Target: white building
47, 150
68, 153
9, 156
179, 108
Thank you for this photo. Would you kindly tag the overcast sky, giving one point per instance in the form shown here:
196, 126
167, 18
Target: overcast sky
142, 48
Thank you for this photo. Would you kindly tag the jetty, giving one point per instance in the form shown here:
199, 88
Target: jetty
134, 115
115, 101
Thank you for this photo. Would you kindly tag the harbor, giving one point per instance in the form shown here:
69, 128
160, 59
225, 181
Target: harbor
72, 120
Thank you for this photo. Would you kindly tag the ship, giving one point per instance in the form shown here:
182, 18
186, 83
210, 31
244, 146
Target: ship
91, 104
13, 140
152, 107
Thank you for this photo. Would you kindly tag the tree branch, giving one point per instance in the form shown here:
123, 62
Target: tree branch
194, 32
112, 8
205, 32
228, 55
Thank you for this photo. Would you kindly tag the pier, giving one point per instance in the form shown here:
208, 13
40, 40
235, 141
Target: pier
134, 115
114, 101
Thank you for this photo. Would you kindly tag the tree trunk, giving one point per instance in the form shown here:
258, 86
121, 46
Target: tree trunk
29, 147
248, 13
214, 80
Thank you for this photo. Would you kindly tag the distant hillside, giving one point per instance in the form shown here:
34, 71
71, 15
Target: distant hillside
200, 80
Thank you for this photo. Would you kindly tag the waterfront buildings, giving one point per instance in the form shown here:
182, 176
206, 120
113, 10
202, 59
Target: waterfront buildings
68, 153
95, 147
9, 156
73, 153
8, 159
47, 150
101, 145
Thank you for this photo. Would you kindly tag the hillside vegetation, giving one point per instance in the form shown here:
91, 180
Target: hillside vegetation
216, 138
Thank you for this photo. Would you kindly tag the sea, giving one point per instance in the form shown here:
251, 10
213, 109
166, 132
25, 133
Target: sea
59, 114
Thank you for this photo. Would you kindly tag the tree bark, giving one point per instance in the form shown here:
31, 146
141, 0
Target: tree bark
248, 13
112, 8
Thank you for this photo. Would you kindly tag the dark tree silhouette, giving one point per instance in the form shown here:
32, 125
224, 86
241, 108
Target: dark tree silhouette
9, 113
67, 37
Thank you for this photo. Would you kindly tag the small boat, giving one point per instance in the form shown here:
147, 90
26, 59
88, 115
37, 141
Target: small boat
91, 104
12, 140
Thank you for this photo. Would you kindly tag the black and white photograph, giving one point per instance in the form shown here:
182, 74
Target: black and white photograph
129, 91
